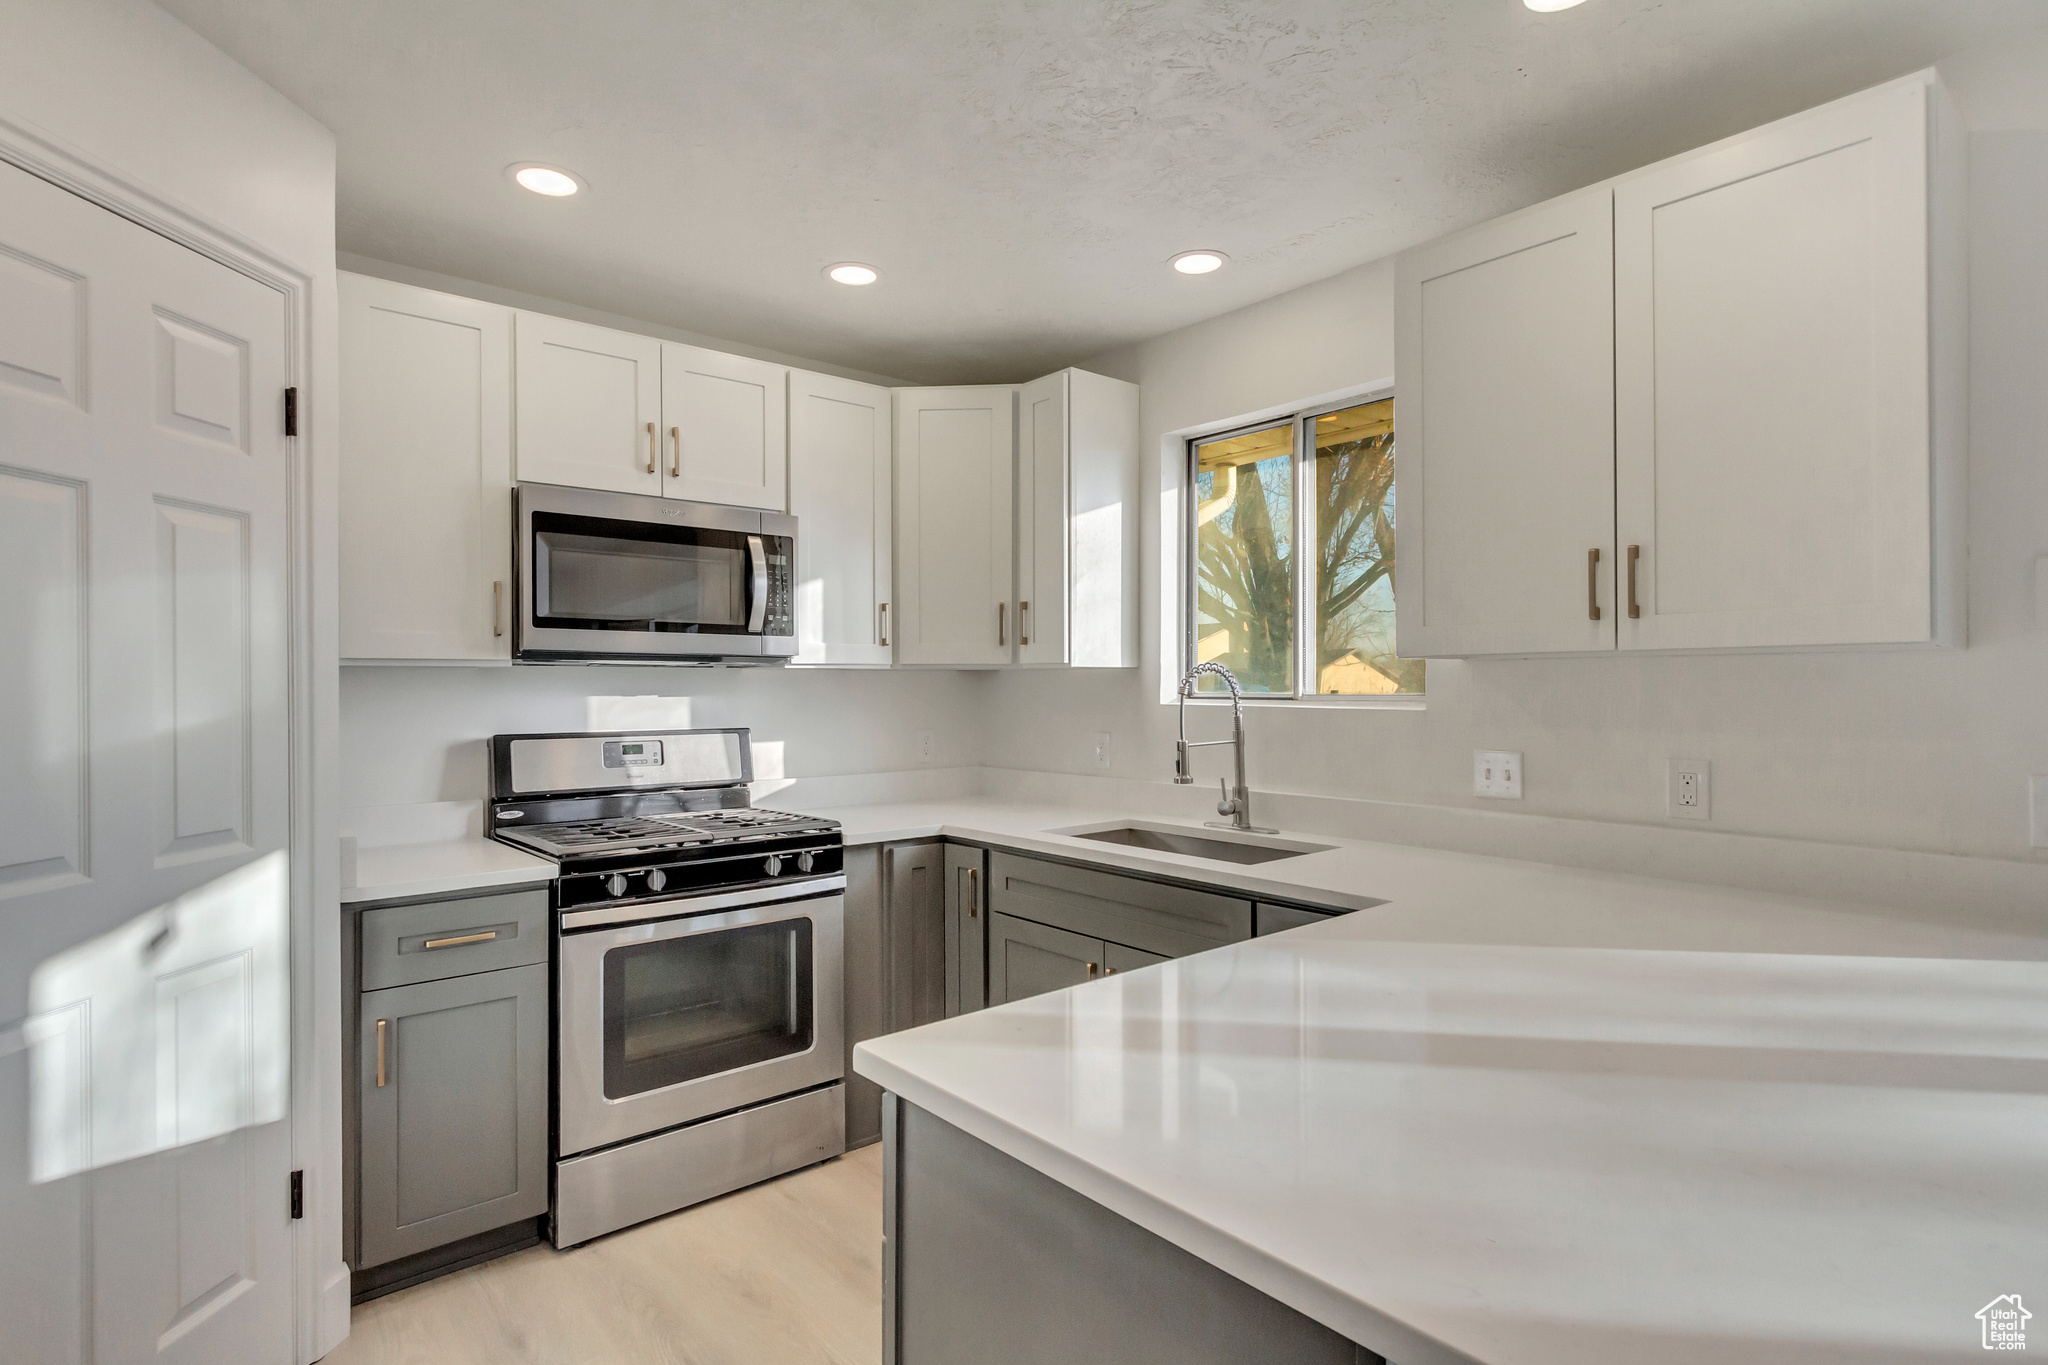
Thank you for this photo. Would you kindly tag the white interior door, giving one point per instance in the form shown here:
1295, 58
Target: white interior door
144, 489
426, 474
1042, 501
1504, 341
589, 405
727, 429
1772, 329
955, 458
839, 492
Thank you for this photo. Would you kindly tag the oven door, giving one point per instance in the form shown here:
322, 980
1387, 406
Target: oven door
735, 1000
613, 575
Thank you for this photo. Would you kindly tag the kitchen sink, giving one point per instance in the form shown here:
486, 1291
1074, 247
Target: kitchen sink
1221, 848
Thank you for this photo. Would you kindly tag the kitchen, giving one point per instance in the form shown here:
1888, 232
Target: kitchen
545, 587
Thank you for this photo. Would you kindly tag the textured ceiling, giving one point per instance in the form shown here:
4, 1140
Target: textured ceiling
1019, 170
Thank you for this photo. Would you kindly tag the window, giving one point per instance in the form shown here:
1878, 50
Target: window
1276, 618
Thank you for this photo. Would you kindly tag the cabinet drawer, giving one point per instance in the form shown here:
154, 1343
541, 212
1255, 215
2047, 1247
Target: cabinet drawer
403, 944
1169, 920
1274, 919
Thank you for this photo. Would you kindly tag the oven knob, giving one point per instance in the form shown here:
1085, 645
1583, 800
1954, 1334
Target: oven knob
616, 883
657, 879
804, 861
774, 865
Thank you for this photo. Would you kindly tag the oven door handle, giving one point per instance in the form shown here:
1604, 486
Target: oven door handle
686, 907
757, 553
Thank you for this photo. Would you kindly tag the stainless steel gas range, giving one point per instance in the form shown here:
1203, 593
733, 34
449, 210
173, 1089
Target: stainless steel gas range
698, 969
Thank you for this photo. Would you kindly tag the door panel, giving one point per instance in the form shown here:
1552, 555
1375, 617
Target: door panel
1505, 348
725, 423
1026, 959
1042, 502
144, 495
966, 929
839, 492
955, 456
915, 928
588, 402
1772, 312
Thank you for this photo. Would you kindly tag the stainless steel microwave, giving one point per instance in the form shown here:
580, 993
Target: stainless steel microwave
620, 578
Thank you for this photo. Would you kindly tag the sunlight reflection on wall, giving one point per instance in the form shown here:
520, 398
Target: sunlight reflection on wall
172, 1029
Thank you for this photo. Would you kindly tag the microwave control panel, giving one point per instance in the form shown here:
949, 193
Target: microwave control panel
780, 618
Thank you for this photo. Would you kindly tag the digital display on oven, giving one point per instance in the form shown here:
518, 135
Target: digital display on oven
632, 753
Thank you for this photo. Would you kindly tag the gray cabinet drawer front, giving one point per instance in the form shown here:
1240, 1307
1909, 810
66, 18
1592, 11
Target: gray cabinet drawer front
434, 940
1172, 921
1272, 919
1027, 959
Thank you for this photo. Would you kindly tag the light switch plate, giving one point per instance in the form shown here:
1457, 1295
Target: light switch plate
1497, 774
2037, 812
1688, 789
1100, 749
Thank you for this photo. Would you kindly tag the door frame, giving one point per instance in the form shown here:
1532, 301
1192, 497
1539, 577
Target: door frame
319, 1276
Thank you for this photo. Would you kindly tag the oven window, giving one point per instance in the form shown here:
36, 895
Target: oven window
683, 1008
594, 574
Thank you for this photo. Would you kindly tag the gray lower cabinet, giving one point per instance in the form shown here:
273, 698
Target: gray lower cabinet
452, 1099
1117, 958
1026, 958
1157, 917
867, 997
966, 928
896, 958
1275, 919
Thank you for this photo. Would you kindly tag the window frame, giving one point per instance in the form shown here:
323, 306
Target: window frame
1301, 455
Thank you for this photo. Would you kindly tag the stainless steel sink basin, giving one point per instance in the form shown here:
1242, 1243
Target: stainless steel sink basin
1223, 849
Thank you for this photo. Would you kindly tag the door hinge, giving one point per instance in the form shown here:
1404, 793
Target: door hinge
298, 1184
291, 412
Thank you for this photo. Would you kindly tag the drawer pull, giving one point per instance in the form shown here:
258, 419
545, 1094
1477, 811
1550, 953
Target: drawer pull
1092, 970
380, 1052
973, 892
485, 937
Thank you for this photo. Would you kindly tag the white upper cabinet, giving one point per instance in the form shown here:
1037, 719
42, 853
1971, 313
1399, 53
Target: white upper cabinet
1775, 417
724, 422
1736, 375
955, 458
839, 474
1505, 363
425, 473
1077, 493
589, 406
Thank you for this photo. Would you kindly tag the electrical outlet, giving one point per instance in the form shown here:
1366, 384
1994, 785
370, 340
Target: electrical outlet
1497, 774
2037, 812
1688, 790
1102, 750
927, 746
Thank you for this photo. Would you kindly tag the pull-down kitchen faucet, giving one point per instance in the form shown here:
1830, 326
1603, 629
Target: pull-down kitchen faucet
1237, 801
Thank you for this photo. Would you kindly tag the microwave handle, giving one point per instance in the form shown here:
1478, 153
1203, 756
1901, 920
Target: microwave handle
758, 555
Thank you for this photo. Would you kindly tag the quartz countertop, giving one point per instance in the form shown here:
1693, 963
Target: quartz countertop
1527, 1154
447, 866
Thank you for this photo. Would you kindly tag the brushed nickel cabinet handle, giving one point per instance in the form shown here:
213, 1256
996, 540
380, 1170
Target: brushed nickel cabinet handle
675, 457
498, 607
651, 440
973, 892
1634, 611
1592, 585
885, 623
485, 937
380, 1052
1002, 623
1023, 633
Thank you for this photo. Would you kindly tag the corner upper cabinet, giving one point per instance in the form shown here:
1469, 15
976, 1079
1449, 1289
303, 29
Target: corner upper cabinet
1077, 542
425, 474
589, 405
724, 428
1504, 357
955, 459
839, 492
1786, 401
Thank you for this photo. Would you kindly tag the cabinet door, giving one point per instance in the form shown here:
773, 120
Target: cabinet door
426, 473
1042, 547
839, 494
1772, 372
914, 928
955, 455
1026, 959
726, 429
867, 988
1504, 341
1118, 958
966, 929
589, 404
454, 1109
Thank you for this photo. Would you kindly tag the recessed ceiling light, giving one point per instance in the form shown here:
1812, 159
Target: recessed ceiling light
546, 180
1551, 6
1199, 262
852, 272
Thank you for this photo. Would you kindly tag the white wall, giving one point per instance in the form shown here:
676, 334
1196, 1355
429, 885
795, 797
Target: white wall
1907, 749
178, 131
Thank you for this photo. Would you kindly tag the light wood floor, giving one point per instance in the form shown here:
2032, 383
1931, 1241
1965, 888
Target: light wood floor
786, 1272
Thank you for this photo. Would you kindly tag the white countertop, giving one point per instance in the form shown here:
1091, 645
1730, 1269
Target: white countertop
1456, 1152
391, 871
